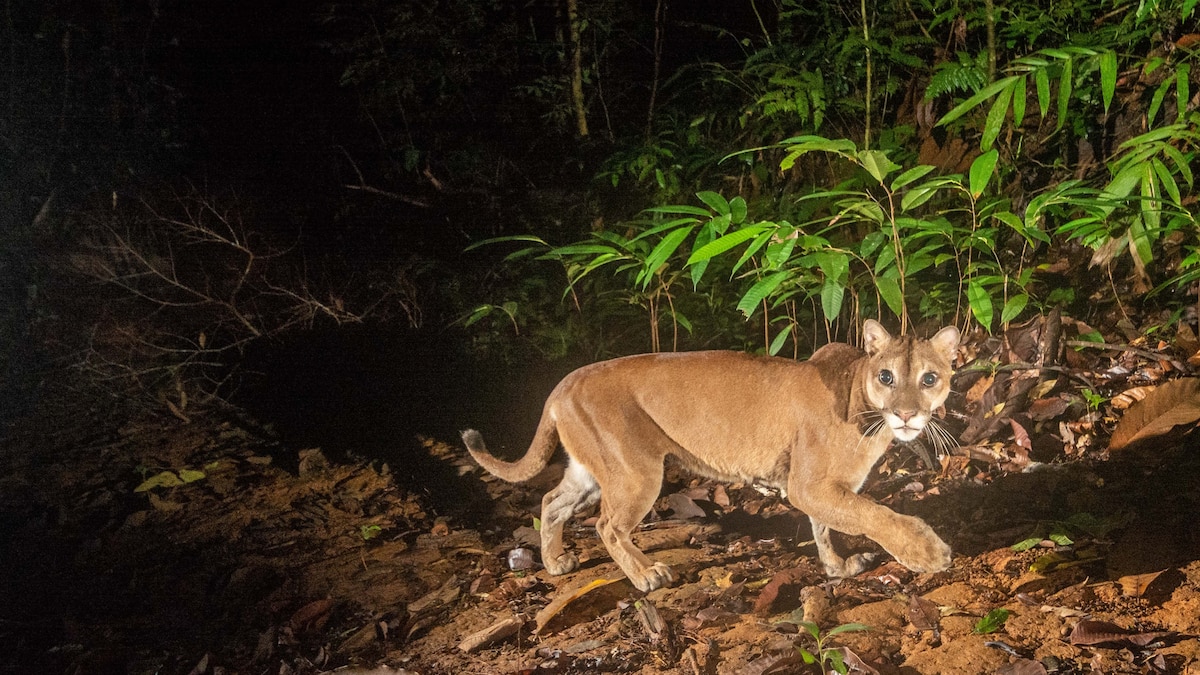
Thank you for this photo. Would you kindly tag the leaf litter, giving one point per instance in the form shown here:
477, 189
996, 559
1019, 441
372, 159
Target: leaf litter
260, 568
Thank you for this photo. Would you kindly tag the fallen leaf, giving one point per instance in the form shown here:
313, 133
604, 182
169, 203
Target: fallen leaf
1089, 633
1135, 585
1048, 408
683, 506
561, 601
1022, 667
1020, 436
163, 479
1170, 405
923, 614
312, 617
981, 385
1128, 397
783, 579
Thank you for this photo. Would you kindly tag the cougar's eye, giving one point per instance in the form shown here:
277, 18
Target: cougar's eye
886, 378
929, 379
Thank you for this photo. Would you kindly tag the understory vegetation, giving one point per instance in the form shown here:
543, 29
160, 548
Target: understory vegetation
570, 181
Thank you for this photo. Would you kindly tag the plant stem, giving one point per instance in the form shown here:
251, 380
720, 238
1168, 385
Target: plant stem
867, 102
581, 125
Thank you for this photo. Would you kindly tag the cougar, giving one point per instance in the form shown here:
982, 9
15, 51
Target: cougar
813, 429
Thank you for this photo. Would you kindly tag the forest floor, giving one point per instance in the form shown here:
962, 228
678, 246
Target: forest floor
206, 546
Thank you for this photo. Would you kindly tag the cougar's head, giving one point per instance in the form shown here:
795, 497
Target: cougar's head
906, 379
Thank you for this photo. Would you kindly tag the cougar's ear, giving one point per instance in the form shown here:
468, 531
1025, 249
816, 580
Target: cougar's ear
875, 337
946, 342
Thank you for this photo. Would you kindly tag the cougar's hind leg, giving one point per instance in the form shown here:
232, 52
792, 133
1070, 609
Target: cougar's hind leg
576, 492
620, 516
835, 565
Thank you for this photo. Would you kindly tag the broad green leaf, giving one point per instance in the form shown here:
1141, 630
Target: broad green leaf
1018, 102
1065, 83
1108, 76
916, 197
778, 252
980, 302
761, 289
726, 242
1156, 101
1181, 163
660, 227
1139, 240
995, 118
911, 175
981, 171
983, 95
877, 164
777, 343
992, 621
714, 201
871, 243
662, 251
889, 290
737, 210
696, 270
1041, 80
1166, 180
1013, 308
751, 250
834, 264
832, 294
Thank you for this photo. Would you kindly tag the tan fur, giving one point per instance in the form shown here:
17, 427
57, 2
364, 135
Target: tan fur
798, 426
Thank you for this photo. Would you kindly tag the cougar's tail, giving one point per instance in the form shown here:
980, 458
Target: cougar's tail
545, 442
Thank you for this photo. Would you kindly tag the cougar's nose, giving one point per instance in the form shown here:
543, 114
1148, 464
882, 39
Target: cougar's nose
905, 415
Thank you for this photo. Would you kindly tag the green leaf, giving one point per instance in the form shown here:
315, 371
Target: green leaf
1065, 83
877, 164
995, 119
911, 175
992, 622
1041, 80
847, 628
980, 302
1018, 102
512, 237
662, 251
722, 244
1156, 101
983, 95
1181, 87
777, 343
1108, 76
1013, 308
1026, 544
889, 290
1166, 180
715, 202
737, 210
916, 197
681, 209
163, 479
190, 475
832, 294
761, 289
981, 171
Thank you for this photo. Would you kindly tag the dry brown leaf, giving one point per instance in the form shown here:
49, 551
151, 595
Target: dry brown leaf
923, 614
1128, 397
1088, 633
1135, 585
1022, 667
1169, 405
1020, 436
311, 617
981, 385
563, 599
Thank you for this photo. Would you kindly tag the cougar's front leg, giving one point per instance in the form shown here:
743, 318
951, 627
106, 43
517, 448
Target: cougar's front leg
910, 540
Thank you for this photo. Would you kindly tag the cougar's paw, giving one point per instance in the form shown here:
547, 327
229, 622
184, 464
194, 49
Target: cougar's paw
849, 567
561, 564
652, 577
923, 550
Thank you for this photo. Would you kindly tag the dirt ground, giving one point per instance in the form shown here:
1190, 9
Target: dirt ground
153, 545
